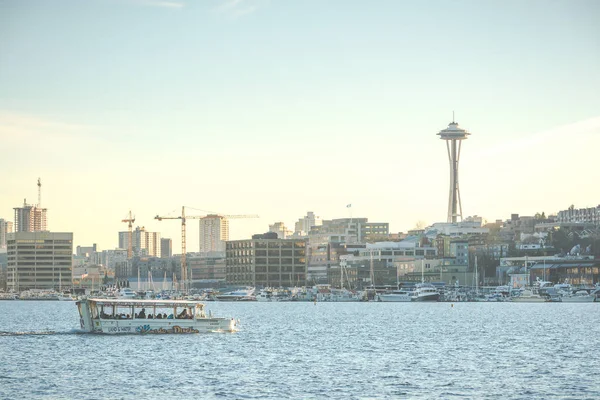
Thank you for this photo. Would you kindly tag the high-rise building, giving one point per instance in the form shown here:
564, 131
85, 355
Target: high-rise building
302, 227
166, 247
281, 230
30, 218
144, 243
39, 260
453, 134
110, 258
214, 232
5, 227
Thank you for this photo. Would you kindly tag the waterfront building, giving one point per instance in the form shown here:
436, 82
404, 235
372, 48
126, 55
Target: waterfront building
575, 270
166, 247
144, 243
266, 262
385, 263
214, 232
206, 269
3, 267
323, 252
39, 260
5, 227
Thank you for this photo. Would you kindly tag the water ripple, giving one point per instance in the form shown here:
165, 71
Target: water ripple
302, 350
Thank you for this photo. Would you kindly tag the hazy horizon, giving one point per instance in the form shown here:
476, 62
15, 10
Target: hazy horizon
279, 108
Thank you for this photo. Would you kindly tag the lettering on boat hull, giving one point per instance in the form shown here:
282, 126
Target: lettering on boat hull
174, 329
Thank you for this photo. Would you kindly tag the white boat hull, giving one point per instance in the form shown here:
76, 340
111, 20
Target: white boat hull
160, 326
399, 298
579, 299
428, 297
529, 300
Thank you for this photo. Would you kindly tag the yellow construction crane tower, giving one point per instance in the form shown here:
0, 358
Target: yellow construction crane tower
129, 220
183, 218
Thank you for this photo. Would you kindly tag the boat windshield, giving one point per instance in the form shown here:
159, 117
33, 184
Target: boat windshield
146, 310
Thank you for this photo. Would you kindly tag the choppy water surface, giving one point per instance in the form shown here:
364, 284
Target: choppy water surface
302, 350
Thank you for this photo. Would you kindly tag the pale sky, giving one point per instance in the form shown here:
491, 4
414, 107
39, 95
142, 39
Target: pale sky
276, 108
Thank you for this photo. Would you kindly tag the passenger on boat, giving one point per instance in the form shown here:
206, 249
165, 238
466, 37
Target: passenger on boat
183, 314
142, 313
158, 316
164, 315
170, 316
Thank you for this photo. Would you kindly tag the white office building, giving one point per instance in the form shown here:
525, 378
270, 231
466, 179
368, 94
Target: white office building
39, 260
214, 232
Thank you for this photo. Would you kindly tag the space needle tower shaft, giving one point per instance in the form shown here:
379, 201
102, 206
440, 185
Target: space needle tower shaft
454, 135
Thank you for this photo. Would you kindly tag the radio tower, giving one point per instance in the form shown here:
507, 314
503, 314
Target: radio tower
453, 134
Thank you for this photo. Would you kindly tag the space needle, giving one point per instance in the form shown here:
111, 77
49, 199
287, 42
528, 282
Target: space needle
454, 135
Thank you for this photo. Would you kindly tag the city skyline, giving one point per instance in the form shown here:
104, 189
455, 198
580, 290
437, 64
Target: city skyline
239, 108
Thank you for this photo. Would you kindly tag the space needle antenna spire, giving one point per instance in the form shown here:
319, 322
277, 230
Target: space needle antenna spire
454, 135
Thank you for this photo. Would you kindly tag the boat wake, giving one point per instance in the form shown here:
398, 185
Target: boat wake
43, 333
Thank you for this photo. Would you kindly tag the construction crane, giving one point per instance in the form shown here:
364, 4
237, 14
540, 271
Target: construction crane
39, 204
183, 218
129, 220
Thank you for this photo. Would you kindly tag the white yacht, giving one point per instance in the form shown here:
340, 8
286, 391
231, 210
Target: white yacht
127, 293
66, 297
396, 296
238, 295
581, 296
115, 316
425, 292
527, 296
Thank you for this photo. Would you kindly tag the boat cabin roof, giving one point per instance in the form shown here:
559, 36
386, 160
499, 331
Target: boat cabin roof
146, 303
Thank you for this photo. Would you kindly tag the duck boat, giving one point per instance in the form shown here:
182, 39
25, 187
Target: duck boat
114, 316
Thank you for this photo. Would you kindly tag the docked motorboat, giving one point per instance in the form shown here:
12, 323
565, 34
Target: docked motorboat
581, 296
127, 293
425, 292
396, 296
66, 297
238, 295
527, 296
273, 295
115, 316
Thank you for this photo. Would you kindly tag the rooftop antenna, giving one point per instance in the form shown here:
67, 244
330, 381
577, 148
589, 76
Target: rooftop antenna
39, 192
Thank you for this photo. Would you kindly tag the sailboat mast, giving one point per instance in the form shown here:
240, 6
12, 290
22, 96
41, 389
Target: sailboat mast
423, 271
476, 278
